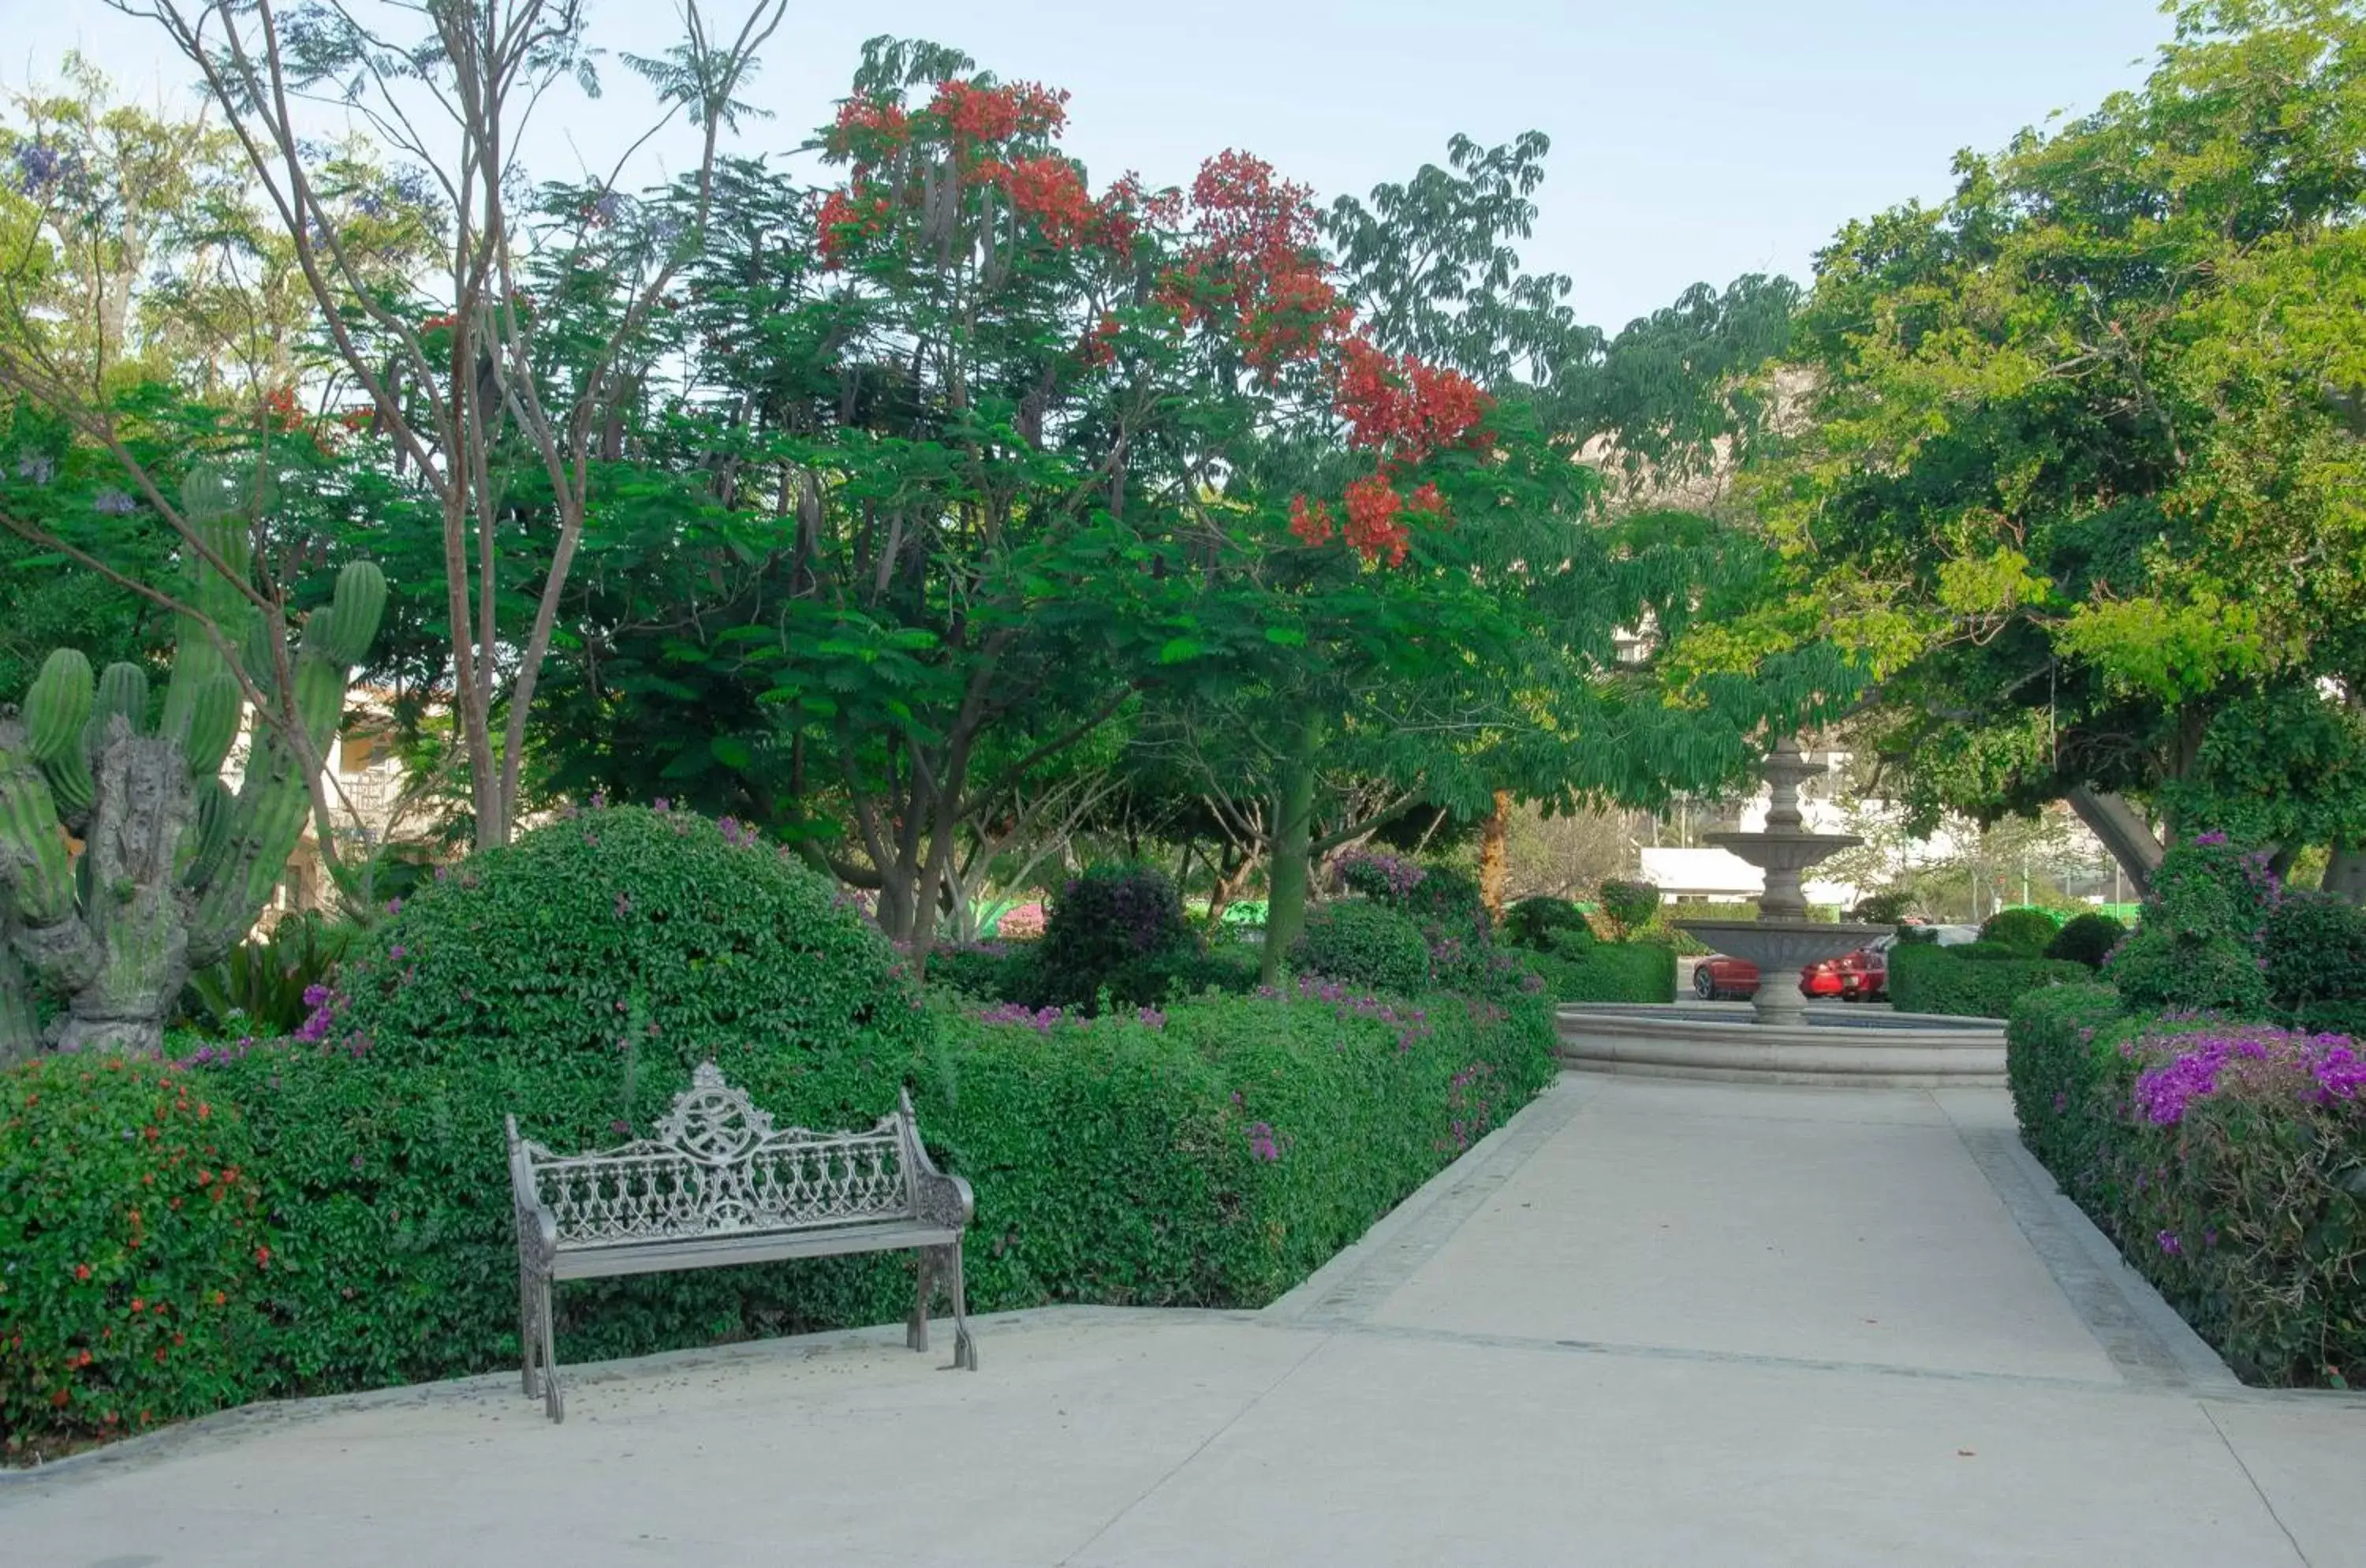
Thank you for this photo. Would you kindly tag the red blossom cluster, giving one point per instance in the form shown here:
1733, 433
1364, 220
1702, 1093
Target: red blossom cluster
1403, 408
1050, 191
881, 123
840, 212
1406, 411
980, 114
1255, 252
1311, 525
1374, 528
1099, 345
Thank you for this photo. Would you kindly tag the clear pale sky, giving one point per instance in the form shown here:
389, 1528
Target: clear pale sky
1692, 138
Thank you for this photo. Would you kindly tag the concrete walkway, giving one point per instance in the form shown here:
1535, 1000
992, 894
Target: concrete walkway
1648, 1324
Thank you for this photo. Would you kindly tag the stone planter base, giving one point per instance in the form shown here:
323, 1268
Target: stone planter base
1859, 1046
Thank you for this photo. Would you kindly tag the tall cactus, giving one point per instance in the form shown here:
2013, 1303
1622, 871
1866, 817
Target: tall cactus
175, 866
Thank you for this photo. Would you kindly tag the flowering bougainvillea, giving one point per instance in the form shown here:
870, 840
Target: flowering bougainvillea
2313, 1070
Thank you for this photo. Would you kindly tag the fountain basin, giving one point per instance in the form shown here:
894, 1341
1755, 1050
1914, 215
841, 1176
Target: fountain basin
1861, 1046
1781, 949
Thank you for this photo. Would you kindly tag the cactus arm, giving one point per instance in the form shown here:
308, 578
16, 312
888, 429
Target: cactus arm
37, 878
274, 798
219, 613
57, 714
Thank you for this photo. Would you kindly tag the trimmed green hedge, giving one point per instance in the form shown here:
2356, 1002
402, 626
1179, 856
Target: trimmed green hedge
2228, 1161
1219, 1156
2055, 1070
1924, 977
1211, 1155
1607, 972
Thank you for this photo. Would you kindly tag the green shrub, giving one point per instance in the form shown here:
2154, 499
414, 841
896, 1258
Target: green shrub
2315, 950
1114, 929
1885, 909
2158, 970
2196, 949
2054, 1067
2087, 938
573, 978
1366, 943
259, 987
2227, 1160
1977, 981
1216, 1158
1628, 905
990, 971
1608, 972
1213, 1156
2028, 930
137, 1264
1547, 924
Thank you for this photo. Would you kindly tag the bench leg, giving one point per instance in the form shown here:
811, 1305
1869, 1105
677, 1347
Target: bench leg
554, 1401
529, 1331
916, 1333
965, 1348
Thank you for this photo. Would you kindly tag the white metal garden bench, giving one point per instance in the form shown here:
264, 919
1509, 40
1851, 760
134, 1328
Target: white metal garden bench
718, 1185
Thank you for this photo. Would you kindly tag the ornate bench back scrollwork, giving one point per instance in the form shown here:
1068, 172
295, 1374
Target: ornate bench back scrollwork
717, 1165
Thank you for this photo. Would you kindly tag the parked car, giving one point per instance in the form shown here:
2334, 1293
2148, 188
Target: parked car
1718, 978
1859, 977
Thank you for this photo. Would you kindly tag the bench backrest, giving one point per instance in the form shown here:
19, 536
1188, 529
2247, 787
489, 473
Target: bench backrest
717, 1166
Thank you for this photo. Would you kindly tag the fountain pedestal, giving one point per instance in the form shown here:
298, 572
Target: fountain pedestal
1781, 941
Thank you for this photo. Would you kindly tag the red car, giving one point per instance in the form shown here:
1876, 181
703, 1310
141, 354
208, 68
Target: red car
1859, 977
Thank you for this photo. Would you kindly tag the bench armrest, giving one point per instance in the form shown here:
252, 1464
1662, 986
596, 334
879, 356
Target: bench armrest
538, 1227
936, 1197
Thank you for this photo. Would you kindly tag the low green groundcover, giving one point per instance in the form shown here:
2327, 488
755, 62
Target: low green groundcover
335, 1215
2228, 1161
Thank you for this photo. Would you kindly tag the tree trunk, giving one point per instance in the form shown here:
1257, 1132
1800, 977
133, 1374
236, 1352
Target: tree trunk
1293, 838
2124, 832
132, 905
1494, 866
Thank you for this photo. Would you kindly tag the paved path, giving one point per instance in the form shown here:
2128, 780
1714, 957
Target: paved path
1648, 1324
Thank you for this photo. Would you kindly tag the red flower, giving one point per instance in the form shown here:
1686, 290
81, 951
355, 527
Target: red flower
1428, 498
81, 1270
881, 121
982, 114
1050, 191
1373, 530
263, 1258
1311, 525
1099, 347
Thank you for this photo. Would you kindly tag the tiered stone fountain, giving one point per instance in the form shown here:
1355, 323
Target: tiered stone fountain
1781, 940
1783, 1040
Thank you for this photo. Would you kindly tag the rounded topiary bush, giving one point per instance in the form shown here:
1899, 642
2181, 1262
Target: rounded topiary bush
1116, 928
1630, 906
2028, 930
1364, 944
574, 979
1547, 924
2087, 938
137, 1259
629, 932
